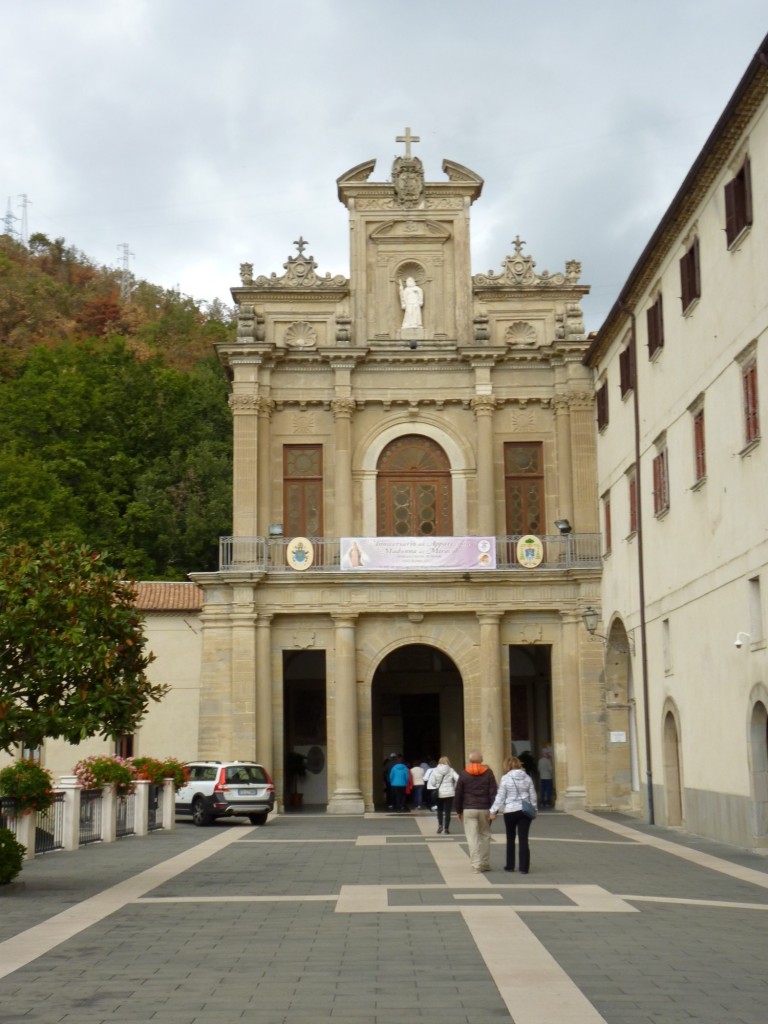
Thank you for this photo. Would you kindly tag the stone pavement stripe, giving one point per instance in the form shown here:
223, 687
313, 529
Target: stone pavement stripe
534, 987
687, 902
34, 942
705, 860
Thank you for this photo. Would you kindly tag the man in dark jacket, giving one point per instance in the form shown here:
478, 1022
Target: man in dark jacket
475, 792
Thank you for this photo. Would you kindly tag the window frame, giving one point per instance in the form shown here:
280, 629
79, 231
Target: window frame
661, 497
655, 324
601, 401
738, 204
690, 276
750, 400
699, 445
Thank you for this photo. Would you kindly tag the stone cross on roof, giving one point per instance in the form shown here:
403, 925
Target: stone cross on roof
301, 245
407, 139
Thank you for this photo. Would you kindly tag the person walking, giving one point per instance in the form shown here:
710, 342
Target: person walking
514, 788
399, 777
444, 780
545, 777
475, 793
417, 781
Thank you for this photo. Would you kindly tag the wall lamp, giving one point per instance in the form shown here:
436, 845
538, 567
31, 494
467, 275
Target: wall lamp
738, 641
565, 528
590, 619
275, 529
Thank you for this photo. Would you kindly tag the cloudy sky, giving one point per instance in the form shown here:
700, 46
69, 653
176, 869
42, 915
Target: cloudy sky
205, 133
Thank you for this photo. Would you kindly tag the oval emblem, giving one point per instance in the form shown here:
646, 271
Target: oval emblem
299, 553
530, 552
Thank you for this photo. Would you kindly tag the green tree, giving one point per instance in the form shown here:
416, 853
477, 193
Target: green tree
72, 658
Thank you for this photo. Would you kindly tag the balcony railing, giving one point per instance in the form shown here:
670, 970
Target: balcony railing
268, 555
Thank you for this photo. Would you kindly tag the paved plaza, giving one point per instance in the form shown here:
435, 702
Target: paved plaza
379, 919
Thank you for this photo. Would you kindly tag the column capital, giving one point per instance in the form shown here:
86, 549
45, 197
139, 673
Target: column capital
489, 618
343, 408
344, 618
240, 404
483, 404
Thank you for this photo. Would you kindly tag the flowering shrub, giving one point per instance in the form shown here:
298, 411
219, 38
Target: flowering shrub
99, 770
156, 770
11, 856
28, 784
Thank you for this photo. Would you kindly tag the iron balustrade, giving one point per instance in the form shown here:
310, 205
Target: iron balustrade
267, 555
90, 816
126, 815
49, 826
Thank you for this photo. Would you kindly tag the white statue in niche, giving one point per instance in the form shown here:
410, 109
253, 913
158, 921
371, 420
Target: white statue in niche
411, 301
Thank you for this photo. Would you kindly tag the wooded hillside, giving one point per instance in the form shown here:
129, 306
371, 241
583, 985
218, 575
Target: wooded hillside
114, 425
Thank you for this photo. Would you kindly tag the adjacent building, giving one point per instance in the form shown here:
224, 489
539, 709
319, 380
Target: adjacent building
681, 374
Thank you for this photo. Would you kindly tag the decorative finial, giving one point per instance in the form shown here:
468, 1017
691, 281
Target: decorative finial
301, 245
518, 243
407, 139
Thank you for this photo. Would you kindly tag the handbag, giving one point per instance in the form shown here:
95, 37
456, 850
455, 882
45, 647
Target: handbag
526, 806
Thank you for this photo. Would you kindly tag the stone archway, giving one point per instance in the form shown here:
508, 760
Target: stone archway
417, 709
758, 763
673, 787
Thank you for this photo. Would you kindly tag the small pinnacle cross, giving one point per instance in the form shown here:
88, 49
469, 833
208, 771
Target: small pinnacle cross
518, 243
301, 245
408, 139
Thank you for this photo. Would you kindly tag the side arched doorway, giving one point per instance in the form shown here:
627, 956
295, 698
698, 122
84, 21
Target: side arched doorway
673, 791
417, 710
758, 756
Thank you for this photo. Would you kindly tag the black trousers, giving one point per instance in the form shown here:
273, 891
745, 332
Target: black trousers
517, 824
444, 805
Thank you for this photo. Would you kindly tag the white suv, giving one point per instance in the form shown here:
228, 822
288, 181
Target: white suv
218, 789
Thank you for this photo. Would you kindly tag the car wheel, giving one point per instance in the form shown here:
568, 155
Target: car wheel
200, 816
258, 819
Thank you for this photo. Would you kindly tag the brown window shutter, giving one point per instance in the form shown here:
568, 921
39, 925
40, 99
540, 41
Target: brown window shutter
731, 220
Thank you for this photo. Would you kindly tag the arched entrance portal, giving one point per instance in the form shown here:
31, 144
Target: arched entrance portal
672, 776
417, 709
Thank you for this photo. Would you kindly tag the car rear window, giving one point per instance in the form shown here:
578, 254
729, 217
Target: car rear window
246, 774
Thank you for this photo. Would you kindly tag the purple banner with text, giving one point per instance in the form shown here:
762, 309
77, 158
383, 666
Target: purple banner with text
418, 553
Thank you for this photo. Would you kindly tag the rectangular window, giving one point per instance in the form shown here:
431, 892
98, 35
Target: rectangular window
124, 746
751, 416
690, 276
755, 611
303, 490
660, 482
655, 319
699, 446
626, 369
524, 487
602, 406
738, 204
666, 646
607, 538
632, 482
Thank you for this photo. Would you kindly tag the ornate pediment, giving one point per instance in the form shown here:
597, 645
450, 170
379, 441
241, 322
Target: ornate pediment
410, 229
459, 173
299, 273
518, 272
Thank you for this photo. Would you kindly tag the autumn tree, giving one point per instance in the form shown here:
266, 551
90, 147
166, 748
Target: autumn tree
72, 657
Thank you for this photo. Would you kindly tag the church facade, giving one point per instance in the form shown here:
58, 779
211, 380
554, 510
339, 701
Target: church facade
415, 532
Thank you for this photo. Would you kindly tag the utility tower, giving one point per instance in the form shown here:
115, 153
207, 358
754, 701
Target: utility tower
125, 271
8, 225
25, 202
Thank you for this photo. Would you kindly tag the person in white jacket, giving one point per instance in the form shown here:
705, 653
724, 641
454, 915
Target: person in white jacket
514, 787
444, 780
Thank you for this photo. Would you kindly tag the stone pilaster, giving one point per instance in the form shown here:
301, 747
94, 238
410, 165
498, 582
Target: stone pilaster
244, 405
264, 741
491, 718
342, 409
570, 748
347, 796
265, 408
243, 705
486, 512
564, 460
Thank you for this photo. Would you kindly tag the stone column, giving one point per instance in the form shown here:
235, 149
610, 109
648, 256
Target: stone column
342, 413
264, 744
491, 704
570, 748
347, 796
244, 405
564, 458
486, 494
